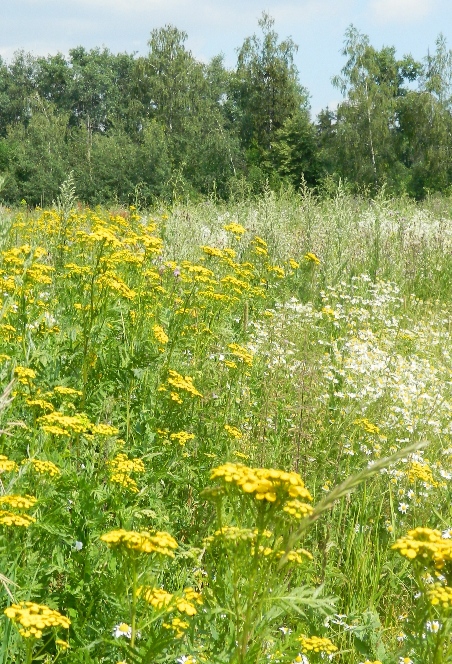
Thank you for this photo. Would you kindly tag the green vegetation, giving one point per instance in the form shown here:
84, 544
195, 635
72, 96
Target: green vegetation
226, 432
166, 126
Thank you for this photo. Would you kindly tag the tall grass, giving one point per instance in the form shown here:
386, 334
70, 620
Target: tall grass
148, 348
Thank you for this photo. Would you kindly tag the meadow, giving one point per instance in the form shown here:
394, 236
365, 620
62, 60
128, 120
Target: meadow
226, 432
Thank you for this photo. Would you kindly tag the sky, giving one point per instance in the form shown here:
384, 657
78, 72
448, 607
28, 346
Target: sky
220, 26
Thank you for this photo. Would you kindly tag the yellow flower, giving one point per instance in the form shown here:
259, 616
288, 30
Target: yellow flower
312, 258
317, 644
143, 542
212, 251
233, 431
45, 467
364, 423
242, 353
24, 375
156, 597
19, 502
34, 618
62, 389
184, 383
11, 519
440, 595
182, 437
178, 626
235, 228
160, 334
427, 545
7, 465
265, 483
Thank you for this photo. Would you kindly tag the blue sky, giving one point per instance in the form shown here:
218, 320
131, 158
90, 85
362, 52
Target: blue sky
214, 26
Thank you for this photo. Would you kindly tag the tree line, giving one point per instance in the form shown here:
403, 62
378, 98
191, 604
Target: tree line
166, 125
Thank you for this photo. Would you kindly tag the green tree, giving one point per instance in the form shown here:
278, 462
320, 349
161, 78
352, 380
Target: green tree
426, 125
265, 90
37, 156
367, 121
295, 150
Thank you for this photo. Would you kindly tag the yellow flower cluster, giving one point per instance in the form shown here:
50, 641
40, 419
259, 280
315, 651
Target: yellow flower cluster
12, 519
298, 509
178, 626
65, 425
7, 465
235, 228
121, 467
100, 234
24, 375
440, 596
113, 282
241, 353
21, 262
263, 483
311, 257
15, 501
41, 403
422, 472
296, 555
233, 431
160, 599
235, 535
156, 597
143, 542
45, 467
182, 437
34, 618
67, 391
427, 545
293, 556
19, 502
260, 246
212, 251
276, 269
160, 334
184, 383
317, 644
365, 424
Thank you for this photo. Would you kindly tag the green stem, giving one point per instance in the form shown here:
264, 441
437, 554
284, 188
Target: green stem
29, 651
133, 608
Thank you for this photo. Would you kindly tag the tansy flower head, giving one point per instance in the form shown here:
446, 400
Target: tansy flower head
34, 618
143, 542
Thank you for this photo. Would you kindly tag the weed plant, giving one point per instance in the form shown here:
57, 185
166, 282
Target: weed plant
226, 433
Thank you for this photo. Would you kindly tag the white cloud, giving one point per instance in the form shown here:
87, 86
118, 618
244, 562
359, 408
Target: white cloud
401, 11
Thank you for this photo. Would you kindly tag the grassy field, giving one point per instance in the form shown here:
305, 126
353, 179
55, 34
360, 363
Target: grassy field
226, 433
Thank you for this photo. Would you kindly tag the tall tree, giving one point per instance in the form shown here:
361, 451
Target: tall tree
366, 122
266, 90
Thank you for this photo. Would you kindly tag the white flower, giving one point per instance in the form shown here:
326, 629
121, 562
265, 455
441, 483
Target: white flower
447, 534
122, 630
285, 630
403, 508
433, 626
78, 546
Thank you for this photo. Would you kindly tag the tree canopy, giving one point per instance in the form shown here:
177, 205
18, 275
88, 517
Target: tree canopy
167, 125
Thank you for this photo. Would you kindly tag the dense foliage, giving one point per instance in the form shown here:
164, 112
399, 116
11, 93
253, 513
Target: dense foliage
225, 432
164, 125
